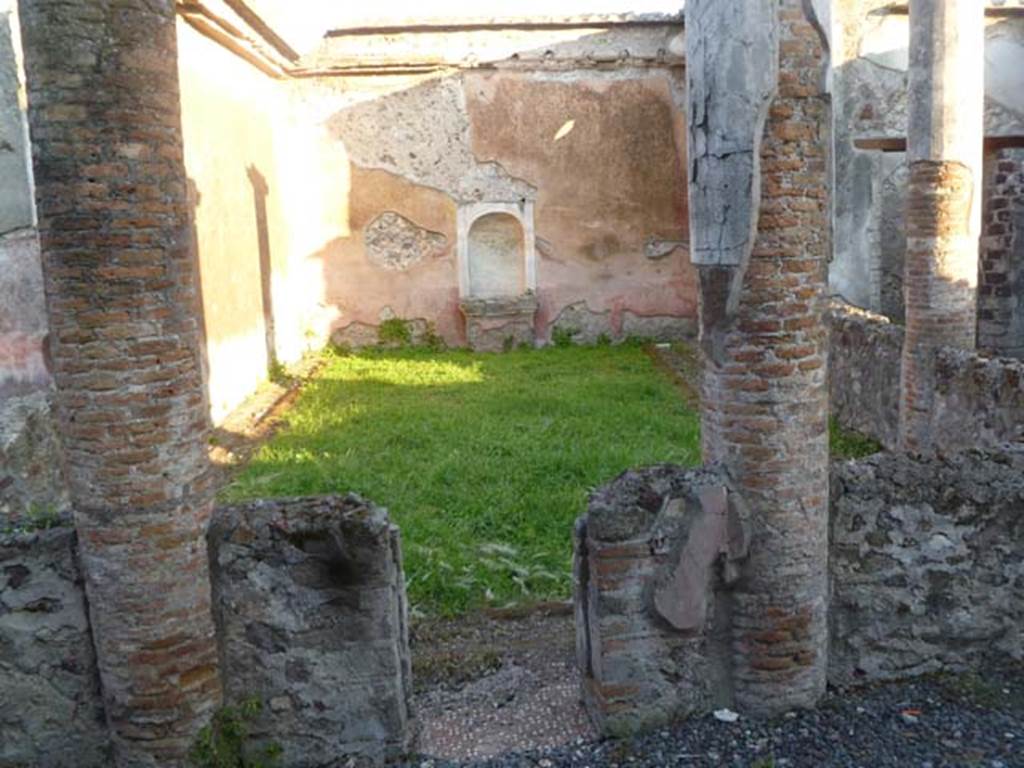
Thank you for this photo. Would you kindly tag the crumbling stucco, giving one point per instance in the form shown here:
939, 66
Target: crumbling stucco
422, 134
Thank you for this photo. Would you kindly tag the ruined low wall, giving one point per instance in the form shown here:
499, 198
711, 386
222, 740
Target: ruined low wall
51, 712
309, 598
927, 563
864, 372
927, 574
979, 401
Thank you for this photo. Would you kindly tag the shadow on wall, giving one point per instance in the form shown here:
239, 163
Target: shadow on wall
260, 190
268, 194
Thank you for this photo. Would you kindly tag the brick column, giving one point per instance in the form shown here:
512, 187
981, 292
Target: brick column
121, 294
944, 151
764, 342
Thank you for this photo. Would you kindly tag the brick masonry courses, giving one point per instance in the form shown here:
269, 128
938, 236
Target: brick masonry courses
944, 150
120, 282
1001, 267
764, 414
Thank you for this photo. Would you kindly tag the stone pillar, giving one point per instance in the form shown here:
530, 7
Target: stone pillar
759, 229
944, 152
120, 285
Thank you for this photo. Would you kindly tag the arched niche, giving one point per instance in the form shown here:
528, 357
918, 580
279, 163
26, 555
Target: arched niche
496, 264
496, 250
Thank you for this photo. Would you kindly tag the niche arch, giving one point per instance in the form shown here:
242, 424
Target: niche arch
496, 252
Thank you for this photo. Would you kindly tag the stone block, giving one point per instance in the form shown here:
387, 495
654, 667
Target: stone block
309, 598
499, 324
31, 467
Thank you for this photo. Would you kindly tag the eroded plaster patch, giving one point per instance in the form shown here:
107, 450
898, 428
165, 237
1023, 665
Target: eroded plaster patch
427, 141
395, 243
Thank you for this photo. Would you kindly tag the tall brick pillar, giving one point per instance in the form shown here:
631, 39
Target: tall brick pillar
944, 150
759, 231
121, 297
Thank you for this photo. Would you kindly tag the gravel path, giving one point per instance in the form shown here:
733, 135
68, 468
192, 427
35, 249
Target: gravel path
970, 721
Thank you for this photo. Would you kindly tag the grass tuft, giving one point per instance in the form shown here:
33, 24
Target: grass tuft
847, 444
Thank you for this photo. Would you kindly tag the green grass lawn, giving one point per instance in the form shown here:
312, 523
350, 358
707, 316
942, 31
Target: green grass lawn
484, 461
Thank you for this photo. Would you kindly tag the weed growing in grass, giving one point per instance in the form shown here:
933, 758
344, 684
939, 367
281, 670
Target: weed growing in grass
847, 444
37, 517
278, 374
395, 332
224, 742
484, 461
563, 336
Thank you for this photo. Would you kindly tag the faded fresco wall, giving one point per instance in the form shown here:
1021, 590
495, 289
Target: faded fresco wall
265, 199
870, 122
584, 127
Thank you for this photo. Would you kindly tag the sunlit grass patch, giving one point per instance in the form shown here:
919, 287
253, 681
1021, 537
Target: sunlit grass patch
484, 461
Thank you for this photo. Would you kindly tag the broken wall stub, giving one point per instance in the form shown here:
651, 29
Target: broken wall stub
927, 563
763, 338
926, 574
51, 710
312, 618
32, 481
864, 372
978, 400
653, 558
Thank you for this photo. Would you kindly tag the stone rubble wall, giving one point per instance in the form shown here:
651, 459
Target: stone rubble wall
927, 563
309, 598
311, 617
864, 372
31, 472
51, 711
926, 573
978, 401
